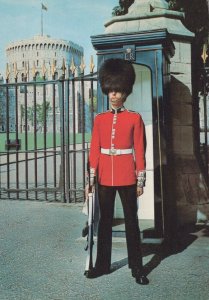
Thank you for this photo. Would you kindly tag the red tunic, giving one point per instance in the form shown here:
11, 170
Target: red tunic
121, 130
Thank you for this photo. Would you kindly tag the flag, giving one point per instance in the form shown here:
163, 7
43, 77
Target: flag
43, 6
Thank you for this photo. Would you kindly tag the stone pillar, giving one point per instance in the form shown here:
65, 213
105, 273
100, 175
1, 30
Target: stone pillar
181, 99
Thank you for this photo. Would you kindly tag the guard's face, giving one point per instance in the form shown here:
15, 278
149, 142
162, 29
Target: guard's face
116, 99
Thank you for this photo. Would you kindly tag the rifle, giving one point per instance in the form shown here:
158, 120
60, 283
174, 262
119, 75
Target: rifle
89, 228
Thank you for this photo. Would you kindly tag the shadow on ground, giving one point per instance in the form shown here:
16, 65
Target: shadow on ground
183, 239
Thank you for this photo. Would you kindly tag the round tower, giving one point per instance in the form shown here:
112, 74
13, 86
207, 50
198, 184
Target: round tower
42, 58
39, 50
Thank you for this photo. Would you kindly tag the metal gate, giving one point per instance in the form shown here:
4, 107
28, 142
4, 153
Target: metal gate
45, 129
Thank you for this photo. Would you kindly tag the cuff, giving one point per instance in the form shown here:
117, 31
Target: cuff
141, 178
92, 176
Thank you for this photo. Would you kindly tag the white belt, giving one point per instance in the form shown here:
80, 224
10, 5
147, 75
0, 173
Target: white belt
116, 151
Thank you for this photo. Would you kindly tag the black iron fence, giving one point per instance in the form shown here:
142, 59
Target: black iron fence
203, 124
45, 129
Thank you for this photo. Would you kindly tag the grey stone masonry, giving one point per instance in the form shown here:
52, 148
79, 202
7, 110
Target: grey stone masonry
148, 15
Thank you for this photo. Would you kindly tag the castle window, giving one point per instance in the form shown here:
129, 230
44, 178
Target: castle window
55, 54
37, 62
37, 53
23, 55
23, 64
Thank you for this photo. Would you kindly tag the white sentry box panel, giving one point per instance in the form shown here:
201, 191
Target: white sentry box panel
141, 101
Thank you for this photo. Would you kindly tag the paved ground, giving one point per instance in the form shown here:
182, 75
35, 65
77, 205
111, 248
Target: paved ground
42, 257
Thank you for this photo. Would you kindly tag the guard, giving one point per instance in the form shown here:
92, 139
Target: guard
117, 156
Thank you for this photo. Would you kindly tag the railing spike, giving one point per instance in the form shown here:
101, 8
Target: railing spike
7, 71
72, 66
34, 70
44, 69
25, 70
15, 70
204, 53
63, 67
53, 68
82, 65
92, 65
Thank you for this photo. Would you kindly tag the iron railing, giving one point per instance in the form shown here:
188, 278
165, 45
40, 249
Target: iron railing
44, 157
204, 125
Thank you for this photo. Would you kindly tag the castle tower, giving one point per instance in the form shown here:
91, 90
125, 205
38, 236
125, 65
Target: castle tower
29, 58
39, 50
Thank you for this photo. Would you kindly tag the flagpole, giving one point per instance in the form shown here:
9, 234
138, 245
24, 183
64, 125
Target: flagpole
42, 31
43, 7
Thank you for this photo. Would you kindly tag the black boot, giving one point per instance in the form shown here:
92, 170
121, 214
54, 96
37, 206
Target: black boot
96, 272
140, 276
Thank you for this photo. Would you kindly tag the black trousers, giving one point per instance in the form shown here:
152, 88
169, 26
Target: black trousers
104, 245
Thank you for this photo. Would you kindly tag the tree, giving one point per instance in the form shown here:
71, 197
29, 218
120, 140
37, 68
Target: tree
41, 110
197, 21
196, 15
30, 114
123, 7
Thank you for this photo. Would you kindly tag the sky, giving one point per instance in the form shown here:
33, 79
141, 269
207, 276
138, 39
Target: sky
65, 19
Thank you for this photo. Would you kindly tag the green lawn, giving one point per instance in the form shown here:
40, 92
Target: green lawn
40, 140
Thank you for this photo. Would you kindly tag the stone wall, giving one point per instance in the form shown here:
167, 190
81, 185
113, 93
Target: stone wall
190, 190
181, 99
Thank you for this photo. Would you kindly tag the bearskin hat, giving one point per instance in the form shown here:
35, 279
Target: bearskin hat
117, 75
